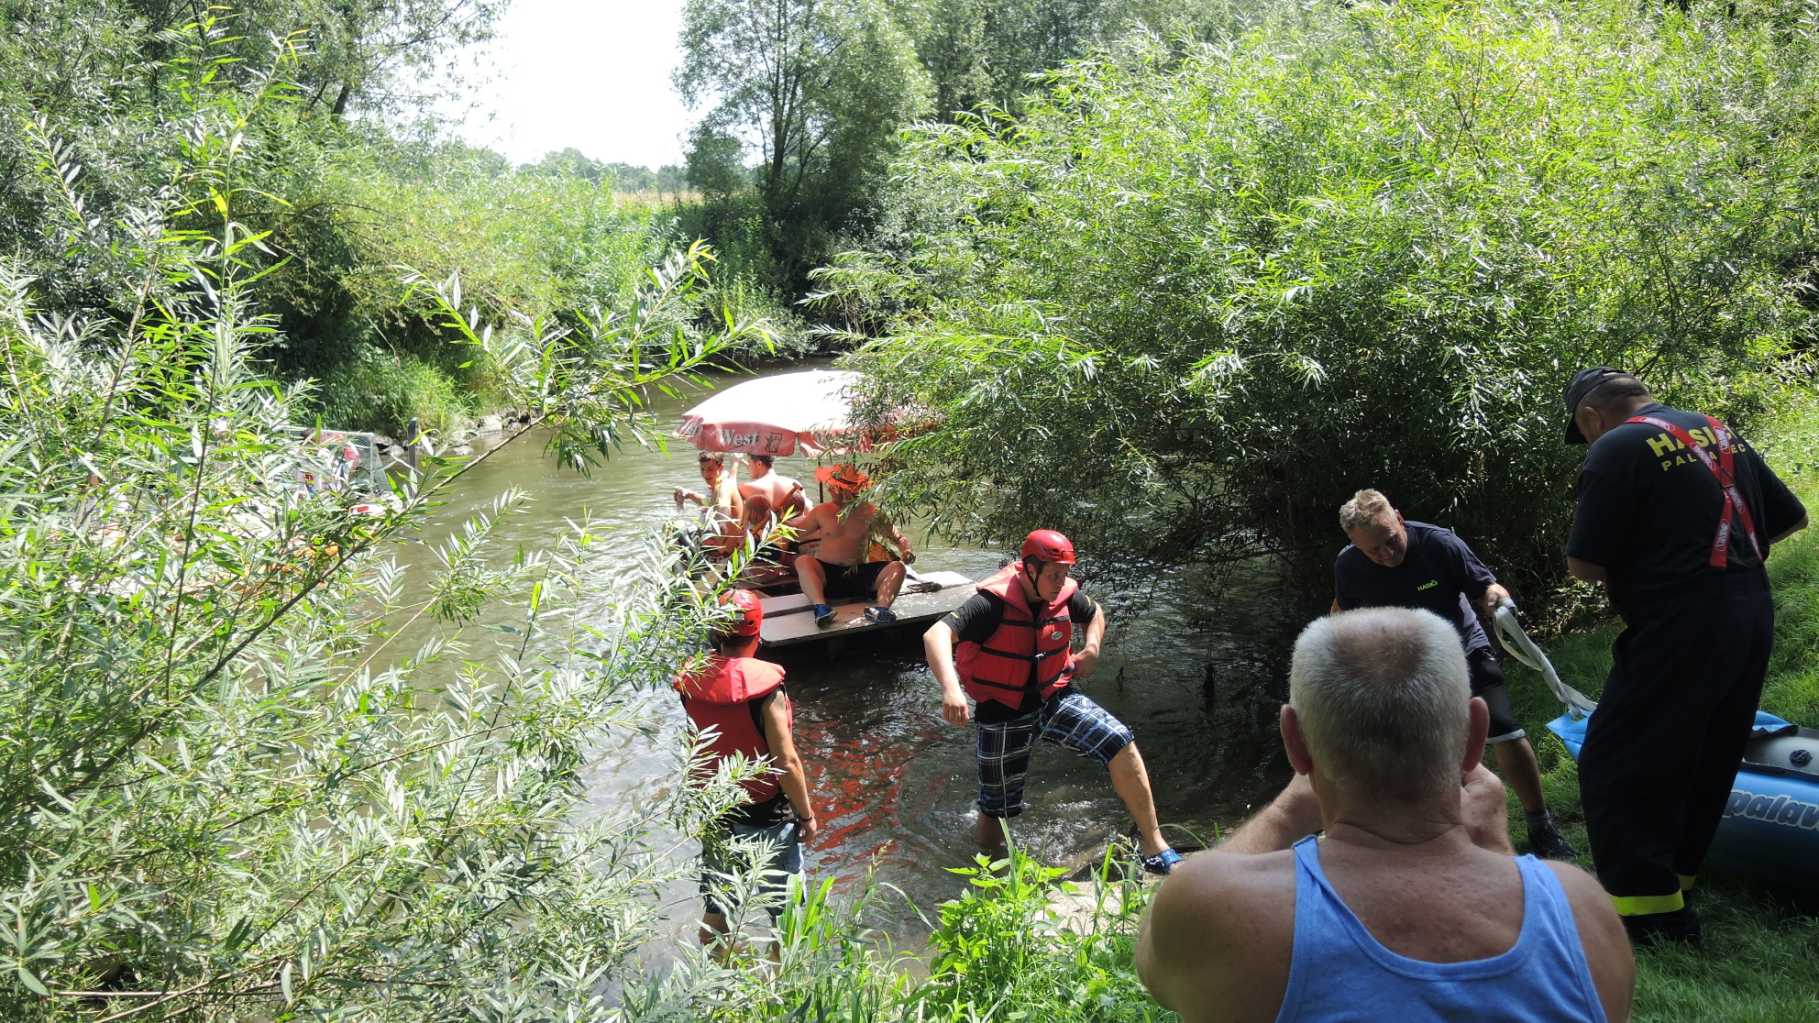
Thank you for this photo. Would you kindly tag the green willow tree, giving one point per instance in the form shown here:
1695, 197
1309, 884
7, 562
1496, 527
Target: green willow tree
228, 788
817, 89
376, 55
1189, 301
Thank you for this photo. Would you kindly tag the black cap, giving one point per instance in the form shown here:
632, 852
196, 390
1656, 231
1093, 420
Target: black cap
1583, 383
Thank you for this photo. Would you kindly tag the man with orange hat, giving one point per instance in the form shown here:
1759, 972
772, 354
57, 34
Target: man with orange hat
741, 699
1016, 660
844, 526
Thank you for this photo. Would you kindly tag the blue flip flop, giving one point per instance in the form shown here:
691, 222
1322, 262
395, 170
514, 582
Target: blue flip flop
880, 615
823, 614
1161, 863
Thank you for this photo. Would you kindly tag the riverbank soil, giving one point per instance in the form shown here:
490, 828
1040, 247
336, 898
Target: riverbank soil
1758, 962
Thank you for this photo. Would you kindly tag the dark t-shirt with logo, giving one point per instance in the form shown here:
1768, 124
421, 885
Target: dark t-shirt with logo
1440, 574
1648, 510
976, 620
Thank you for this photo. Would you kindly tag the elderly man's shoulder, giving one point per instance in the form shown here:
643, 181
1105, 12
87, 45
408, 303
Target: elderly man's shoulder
1601, 934
1236, 894
1597, 919
1215, 867
1219, 935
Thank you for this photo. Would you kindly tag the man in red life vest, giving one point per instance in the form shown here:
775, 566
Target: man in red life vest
1016, 660
741, 698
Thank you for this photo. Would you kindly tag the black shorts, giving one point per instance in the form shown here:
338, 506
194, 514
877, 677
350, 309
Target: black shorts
1488, 682
851, 580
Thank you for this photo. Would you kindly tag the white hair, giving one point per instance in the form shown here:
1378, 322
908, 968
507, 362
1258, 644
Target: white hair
1383, 698
1365, 508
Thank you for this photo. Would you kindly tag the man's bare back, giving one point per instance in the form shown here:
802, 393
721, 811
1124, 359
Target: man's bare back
785, 495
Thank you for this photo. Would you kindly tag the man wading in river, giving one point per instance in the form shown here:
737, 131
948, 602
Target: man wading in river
1392, 562
741, 698
1016, 661
1411, 907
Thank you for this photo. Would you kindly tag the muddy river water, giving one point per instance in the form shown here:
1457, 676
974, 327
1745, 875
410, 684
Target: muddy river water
1195, 665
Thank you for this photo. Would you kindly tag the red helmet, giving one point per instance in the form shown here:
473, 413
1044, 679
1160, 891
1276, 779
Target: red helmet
747, 608
1048, 545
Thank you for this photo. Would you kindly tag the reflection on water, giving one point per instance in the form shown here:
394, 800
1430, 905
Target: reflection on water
1195, 669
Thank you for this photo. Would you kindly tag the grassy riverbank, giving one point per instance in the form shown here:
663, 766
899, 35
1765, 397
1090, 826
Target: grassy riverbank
1758, 962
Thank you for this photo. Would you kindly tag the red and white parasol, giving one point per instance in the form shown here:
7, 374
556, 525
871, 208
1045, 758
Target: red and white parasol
802, 413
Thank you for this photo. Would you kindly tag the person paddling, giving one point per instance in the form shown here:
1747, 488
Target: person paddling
1010, 648
741, 700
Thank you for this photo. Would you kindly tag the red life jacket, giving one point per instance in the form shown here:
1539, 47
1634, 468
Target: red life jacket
1000, 668
1723, 469
721, 696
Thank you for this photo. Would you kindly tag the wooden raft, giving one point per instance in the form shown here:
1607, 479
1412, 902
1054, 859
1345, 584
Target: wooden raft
789, 621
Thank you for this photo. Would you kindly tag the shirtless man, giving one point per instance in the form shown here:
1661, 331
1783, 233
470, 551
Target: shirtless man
783, 494
845, 530
726, 528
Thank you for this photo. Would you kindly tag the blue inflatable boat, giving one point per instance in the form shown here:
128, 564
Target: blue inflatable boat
1771, 824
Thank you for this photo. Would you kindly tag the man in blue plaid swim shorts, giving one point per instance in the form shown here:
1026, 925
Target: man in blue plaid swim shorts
1010, 648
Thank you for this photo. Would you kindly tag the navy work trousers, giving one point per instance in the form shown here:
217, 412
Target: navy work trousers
1663, 747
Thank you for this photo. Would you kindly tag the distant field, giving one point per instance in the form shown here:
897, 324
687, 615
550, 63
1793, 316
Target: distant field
655, 198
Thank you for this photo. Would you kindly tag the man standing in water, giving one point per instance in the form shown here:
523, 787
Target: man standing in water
722, 504
844, 527
1016, 660
1392, 562
741, 699
1412, 905
1675, 516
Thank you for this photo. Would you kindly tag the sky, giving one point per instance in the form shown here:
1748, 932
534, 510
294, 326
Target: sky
592, 74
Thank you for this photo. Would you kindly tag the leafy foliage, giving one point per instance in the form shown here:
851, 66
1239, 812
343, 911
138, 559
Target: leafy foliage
818, 88
224, 793
1018, 944
1191, 300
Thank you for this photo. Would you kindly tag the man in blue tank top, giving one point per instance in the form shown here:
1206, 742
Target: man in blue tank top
1410, 907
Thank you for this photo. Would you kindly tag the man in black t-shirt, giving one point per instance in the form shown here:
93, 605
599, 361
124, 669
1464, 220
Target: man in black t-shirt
1015, 658
1392, 562
1675, 516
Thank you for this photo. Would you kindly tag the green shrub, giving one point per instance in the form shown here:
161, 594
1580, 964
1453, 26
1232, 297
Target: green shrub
383, 392
1016, 945
1193, 298
225, 793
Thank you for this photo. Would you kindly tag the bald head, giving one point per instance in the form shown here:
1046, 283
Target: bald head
1384, 702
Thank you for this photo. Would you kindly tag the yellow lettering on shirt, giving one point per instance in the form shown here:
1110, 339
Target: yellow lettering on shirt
1662, 445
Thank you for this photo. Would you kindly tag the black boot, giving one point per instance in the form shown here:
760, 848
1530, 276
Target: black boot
1680, 927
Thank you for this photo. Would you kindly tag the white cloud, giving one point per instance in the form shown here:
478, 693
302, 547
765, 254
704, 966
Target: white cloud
592, 75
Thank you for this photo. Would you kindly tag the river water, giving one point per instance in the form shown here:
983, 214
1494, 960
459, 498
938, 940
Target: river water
1195, 666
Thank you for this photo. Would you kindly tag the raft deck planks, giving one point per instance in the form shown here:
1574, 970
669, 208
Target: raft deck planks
788, 621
